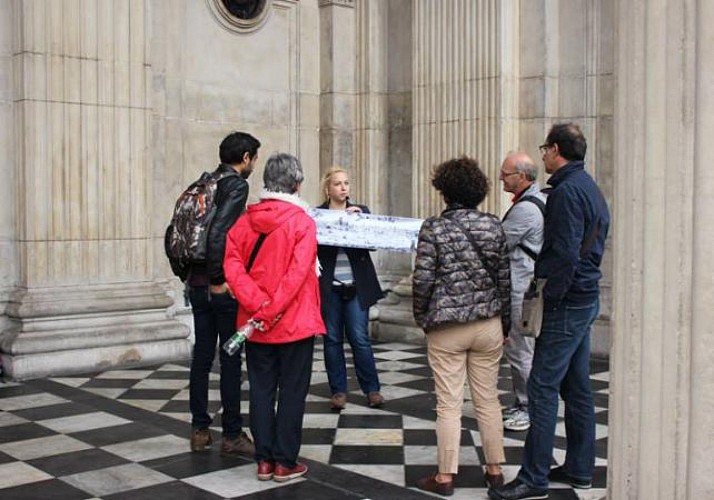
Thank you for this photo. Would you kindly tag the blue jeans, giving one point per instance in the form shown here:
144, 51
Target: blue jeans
348, 317
214, 319
561, 364
278, 372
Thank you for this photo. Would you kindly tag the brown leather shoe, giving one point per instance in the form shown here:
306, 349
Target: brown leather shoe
492, 480
265, 470
338, 401
200, 439
375, 399
431, 484
242, 445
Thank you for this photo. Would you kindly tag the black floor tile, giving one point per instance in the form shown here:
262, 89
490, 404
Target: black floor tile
109, 383
600, 477
602, 417
370, 422
170, 375
305, 490
423, 371
52, 489
469, 476
76, 462
183, 407
600, 400
427, 437
562, 494
423, 384
117, 434
598, 385
149, 394
318, 407
367, 455
54, 411
20, 432
16, 390
4, 458
601, 448
194, 464
175, 490
318, 436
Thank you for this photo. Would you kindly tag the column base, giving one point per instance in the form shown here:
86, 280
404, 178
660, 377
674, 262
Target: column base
70, 330
396, 319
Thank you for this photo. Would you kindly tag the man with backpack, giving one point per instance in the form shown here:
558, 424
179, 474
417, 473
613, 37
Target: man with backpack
523, 225
195, 243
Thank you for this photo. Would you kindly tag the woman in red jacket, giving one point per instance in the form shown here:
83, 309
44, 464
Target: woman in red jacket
281, 293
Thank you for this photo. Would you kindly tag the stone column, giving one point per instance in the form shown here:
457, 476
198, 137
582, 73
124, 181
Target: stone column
86, 299
662, 386
465, 60
337, 82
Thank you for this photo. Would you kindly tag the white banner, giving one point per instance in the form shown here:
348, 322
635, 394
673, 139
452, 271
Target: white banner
373, 231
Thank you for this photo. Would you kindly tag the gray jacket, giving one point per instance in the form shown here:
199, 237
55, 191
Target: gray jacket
450, 283
523, 225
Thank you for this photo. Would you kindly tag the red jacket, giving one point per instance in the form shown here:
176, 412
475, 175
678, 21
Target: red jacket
282, 288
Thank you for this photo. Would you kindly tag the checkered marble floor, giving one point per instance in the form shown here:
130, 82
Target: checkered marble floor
124, 434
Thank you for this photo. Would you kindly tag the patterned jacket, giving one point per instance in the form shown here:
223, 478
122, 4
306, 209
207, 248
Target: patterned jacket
450, 283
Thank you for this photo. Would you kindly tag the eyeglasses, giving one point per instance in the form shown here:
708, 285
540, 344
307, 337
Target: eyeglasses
503, 175
544, 147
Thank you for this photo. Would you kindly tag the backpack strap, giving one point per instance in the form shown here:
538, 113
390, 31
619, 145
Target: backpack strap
254, 253
541, 206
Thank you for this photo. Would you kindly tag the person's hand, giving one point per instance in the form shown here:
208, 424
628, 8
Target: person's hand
221, 289
354, 209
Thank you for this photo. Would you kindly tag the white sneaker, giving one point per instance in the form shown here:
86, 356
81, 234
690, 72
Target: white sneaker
518, 421
509, 412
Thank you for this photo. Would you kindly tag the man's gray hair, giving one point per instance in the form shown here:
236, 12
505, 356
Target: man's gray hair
528, 168
282, 173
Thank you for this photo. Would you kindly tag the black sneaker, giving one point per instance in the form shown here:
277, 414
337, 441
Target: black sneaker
517, 490
558, 475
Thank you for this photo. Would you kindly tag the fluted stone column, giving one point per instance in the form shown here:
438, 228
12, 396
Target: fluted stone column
465, 68
337, 82
662, 386
85, 297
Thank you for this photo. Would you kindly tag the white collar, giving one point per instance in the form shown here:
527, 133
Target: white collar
289, 198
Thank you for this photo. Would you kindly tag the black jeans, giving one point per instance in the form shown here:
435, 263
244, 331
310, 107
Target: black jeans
214, 319
282, 371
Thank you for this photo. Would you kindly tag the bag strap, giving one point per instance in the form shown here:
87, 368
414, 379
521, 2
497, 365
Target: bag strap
541, 206
476, 248
590, 241
254, 253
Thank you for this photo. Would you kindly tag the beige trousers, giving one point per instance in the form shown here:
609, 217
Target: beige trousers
472, 349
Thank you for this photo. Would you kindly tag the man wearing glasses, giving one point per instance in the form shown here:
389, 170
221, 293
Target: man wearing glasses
523, 225
576, 224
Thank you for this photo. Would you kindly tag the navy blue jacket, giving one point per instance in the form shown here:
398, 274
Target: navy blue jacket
575, 208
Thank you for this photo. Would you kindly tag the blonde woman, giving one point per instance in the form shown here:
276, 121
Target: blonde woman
348, 287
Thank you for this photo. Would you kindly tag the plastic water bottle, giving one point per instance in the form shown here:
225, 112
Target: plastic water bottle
233, 344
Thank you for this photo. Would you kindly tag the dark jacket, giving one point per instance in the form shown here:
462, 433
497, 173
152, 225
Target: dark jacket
450, 284
576, 208
231, 197
365, 276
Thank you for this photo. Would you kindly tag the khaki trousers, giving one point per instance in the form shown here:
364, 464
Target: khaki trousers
455, 351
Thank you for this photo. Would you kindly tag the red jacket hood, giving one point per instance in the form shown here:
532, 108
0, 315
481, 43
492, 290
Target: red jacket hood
265, 216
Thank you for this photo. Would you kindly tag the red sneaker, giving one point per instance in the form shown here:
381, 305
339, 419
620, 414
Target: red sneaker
265, 470
283, 474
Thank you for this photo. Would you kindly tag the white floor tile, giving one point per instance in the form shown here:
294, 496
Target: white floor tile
150, 448
116, 479
234, 482
43, 447
27, 401
84, 422
18, 473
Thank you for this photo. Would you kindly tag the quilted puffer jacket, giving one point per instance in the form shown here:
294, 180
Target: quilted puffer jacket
450, 283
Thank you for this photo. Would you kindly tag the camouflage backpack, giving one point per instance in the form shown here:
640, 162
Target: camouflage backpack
186, 237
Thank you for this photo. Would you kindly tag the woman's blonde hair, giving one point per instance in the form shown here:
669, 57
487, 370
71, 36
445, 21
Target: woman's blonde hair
328, 176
